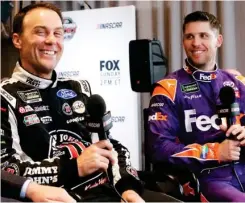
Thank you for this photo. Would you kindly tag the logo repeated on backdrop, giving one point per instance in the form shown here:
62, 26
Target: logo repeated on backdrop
110, 25
68, 74
70, 28
66, 94
110, 73
118, 119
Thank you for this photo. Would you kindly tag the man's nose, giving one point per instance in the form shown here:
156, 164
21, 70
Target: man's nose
50, 39
196, 41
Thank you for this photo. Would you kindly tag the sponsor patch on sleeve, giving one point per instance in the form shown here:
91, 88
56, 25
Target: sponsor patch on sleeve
85, 87
241, 79
168, 89
8, 97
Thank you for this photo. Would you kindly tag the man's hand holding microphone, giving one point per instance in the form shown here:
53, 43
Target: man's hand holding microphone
95, 158
101, 156
230, 148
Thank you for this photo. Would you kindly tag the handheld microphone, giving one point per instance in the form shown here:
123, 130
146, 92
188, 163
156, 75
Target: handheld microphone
99, 121
228, 109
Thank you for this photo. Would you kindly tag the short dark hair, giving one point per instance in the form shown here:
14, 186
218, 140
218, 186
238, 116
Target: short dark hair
19, 17
202, 16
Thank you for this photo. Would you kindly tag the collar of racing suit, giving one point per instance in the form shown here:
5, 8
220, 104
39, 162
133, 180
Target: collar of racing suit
24, 76
200, 75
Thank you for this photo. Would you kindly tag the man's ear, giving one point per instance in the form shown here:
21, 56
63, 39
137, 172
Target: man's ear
219, 40
16, 41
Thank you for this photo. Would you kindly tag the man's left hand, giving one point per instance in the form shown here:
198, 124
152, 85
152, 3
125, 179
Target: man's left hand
236, 130
131, 196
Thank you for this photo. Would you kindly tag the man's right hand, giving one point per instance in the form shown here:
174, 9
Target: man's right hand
95, 157
43, 193
229, 150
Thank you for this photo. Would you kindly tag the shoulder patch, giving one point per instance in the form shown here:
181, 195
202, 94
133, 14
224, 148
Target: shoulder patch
167, 88
10, 99
241, 79
85, 87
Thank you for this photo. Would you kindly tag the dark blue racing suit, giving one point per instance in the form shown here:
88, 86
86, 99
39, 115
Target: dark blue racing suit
184, 129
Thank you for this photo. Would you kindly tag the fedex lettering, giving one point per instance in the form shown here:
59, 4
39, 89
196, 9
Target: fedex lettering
109, 65
41, 170
203, 122
157, 117
207, 78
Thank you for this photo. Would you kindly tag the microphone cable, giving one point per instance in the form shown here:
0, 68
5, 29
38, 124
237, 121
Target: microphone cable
114, 188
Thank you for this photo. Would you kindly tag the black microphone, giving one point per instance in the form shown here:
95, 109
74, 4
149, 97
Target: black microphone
228, 109
99, 121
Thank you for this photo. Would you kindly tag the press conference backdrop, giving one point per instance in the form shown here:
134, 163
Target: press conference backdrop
96, 49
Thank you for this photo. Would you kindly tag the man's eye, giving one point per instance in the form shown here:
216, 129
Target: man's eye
204, 35
40, 33
58, 34
189, 37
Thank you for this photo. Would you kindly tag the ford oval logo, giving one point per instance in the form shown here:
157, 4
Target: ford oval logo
66, 94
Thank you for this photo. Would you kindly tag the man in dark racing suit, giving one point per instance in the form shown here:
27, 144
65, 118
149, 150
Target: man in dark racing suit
43, 131
183, 122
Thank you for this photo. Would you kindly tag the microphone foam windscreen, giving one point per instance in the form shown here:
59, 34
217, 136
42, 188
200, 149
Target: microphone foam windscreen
96, 106
227, 95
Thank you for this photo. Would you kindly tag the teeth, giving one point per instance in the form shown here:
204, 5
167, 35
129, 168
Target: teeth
48, 52
197, 52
